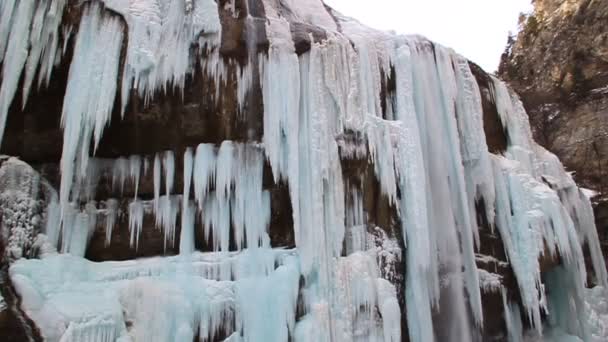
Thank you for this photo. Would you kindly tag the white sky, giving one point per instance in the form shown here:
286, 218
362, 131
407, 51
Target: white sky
477, 29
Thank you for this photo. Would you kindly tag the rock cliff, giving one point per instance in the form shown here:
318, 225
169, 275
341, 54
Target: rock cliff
558, 63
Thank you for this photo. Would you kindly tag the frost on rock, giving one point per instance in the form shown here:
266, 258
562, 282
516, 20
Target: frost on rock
23, 194
161, 35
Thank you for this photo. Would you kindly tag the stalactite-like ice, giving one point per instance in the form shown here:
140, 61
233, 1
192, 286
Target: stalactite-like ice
77, 228
28, 42
90, 92
157, 179
120, 173
169, 168
204, 172
136, 219
166, 217
238, 202
161, 34
112, 207
135, 171
512, 318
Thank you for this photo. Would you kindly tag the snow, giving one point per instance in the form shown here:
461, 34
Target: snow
112, 207
186, 239
161, 34
136, 219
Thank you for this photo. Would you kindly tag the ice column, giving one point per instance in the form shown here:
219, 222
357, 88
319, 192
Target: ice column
186, 240
90, 93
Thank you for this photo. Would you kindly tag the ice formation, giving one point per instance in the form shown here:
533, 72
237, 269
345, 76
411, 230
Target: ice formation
29, 41
408, 108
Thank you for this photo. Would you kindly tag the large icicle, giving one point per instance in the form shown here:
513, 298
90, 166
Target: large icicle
136, 219
90, 93
204, 172
161, 34
112, 207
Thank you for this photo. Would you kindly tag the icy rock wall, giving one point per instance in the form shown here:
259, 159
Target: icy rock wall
23, 197
332, 94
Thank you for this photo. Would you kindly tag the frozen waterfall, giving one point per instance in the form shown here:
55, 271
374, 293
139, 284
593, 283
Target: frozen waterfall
406, 109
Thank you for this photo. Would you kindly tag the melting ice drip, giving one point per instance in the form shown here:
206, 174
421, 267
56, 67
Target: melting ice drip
428, 151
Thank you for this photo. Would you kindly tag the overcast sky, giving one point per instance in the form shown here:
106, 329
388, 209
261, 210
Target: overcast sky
477, 29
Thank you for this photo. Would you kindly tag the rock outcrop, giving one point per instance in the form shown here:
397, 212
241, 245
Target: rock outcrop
558, 64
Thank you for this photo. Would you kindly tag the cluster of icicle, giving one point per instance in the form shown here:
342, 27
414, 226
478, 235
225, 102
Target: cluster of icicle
427, 146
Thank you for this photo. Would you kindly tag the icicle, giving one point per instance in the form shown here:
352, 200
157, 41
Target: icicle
146, 165
356, 222
28, 38
111, 216
157, 166
280, 80
244, 84
136, 219
16, 51
90, 91
204, 172
134, 171
44, 42
421, 277
225, 170
216, 220
389, 310
250, 204
169, 168
160, 38
186, 240
120, 172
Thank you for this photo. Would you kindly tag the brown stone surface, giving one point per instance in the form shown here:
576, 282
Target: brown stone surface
558, 64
